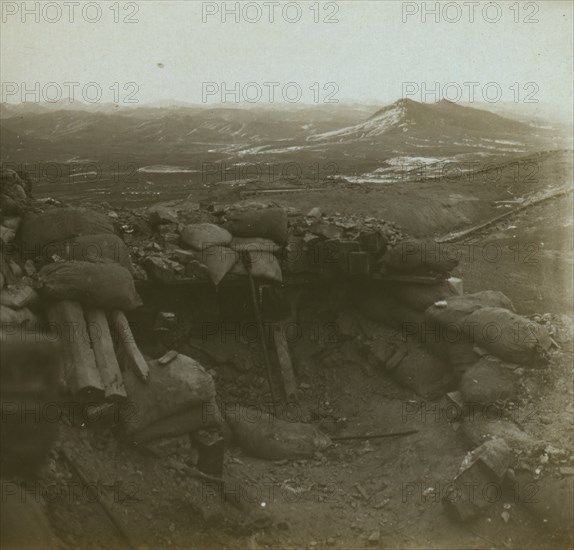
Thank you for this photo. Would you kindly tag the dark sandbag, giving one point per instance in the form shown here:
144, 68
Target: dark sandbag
414, 256
423, 373
509, 336
420, 297
461, 356
488, 382
103, 285
267, 223
91, 248
59, 224
262, 435
379, 305
458, 308
179, 391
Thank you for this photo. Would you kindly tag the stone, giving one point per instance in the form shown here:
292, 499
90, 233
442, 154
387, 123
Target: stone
374, 538
158, 215
6, 235
18, 295
314, 212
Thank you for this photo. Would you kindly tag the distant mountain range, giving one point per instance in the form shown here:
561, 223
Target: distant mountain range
405, 127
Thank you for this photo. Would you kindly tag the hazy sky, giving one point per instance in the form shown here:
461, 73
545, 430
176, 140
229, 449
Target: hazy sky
368, 51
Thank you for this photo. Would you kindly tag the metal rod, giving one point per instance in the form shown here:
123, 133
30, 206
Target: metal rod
375, 436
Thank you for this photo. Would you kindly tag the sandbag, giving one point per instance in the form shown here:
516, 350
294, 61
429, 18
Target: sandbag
91, 248
103, 286
378, 305
174, 396
205, 235
219, 261
488, 382
265, 265
509, 336
416, 256
253, 244
262, 435
423, 373
458, 308
267, 223
420, 297
59, 224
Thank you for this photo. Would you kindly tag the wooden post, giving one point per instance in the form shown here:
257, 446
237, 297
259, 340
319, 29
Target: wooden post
81, 372
287, 375
106, 360
127, 349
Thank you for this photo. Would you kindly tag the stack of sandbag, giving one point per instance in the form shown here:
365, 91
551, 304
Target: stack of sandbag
249, 241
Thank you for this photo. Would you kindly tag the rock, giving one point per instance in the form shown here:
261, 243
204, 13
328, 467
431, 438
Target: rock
159, 269
158, 215
6, 235
18, 295
19, 317
16, 269
314, 212
29, 268
184, 256
12, 222
374, 538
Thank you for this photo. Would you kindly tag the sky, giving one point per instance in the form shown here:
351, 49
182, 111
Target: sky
312, 52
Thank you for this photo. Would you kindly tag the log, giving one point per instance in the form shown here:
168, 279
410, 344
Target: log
287, 375
79, 363
128, 351
106, 360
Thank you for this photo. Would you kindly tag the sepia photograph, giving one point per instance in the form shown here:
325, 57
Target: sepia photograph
286, 275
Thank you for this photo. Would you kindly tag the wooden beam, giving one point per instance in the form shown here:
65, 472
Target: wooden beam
106, 360
79, 363
128, 351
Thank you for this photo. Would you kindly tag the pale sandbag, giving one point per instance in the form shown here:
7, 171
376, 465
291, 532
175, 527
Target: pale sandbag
458, 308
103, 286
265, 265
205, 235
262, 435
253, 245
509, 336
423, 373
219, 261
267, 223
59, 224
416, 255
171, 389
488, 382
104, 247
422, 296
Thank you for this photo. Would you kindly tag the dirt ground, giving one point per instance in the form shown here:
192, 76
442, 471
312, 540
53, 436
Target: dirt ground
377, 493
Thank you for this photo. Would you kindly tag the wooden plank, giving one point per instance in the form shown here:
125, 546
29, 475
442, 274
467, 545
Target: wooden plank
106, 360
287, 374
127, 348
79, 363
